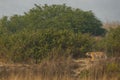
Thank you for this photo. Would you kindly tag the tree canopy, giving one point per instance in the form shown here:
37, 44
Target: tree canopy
48, 30
56, 16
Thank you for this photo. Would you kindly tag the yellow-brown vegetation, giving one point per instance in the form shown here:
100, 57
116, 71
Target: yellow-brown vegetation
61, 70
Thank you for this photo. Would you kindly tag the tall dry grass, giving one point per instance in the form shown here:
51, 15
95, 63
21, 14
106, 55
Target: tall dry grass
55, 69
109, 25
60, 69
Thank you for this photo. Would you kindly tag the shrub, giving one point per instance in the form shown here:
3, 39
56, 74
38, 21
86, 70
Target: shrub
112, 41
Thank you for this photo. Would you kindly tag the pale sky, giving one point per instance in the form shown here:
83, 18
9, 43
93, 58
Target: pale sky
105, 10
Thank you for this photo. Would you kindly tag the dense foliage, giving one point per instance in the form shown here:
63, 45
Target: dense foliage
55, 16
49, 31
35, 45
112, 41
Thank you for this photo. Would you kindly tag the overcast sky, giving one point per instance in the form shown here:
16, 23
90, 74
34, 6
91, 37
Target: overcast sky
105, 10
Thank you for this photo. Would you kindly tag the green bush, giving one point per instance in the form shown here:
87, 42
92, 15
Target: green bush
48, 30
55, 16
112, 42
32, 45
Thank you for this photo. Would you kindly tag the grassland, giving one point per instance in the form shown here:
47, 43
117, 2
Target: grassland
60, 69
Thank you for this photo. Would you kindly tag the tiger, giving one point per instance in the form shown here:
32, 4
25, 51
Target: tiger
96, 55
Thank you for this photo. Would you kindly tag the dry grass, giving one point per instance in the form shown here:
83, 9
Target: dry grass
59, 69
109, 25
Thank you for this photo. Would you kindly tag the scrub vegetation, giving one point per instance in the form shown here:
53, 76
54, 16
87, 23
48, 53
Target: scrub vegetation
45, 39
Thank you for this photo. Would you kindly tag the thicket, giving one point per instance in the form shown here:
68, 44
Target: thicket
55, 16
112, 41
48, 31
35, 45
